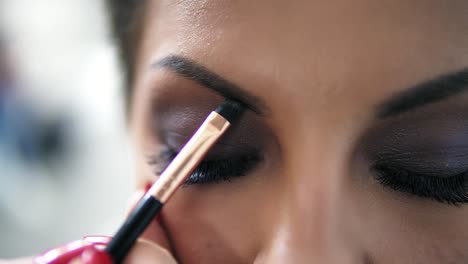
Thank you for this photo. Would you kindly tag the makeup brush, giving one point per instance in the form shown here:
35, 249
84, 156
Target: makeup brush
189, 157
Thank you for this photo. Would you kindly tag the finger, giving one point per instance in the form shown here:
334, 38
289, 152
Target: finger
62, 254
154, 232
92, 256
143, 251
148, 252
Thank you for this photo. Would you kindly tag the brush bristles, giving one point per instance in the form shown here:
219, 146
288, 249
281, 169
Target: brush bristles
230, 110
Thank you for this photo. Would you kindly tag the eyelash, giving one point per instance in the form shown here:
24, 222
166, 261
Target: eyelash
450, 190
210, 171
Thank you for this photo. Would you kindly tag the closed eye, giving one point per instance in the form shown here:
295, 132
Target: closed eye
451, 190
210, 171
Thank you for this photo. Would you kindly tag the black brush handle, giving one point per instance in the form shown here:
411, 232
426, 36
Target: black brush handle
134, 226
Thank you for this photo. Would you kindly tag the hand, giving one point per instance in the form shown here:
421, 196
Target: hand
87, 251
143, 252
148, 252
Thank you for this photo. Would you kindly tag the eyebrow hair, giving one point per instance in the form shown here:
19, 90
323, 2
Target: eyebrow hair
201, 75
429, 92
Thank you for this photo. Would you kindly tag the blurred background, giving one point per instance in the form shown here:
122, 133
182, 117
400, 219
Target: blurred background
65, 161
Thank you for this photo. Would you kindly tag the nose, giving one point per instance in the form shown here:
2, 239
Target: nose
314, 223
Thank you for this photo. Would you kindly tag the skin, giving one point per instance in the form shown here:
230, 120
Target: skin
321, 68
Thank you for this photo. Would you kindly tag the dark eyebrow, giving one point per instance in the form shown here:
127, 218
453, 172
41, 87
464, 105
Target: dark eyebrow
429, 92
201, 75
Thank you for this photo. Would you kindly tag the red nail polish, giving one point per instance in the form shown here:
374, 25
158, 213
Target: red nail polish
95, 256
63, 254
66, 253
148, 186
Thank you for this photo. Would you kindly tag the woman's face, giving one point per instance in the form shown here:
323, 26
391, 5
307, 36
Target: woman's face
355, 147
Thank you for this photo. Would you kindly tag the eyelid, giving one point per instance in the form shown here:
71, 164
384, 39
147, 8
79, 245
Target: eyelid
223, 148
423, 153
250, 135
450, 190
436, 128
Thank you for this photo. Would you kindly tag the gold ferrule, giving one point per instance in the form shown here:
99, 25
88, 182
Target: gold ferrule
189, 157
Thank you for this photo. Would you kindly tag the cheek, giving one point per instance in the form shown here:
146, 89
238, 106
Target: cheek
418, 235
397, 228
220, 222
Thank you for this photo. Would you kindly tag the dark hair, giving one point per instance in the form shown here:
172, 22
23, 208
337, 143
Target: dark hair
126, 18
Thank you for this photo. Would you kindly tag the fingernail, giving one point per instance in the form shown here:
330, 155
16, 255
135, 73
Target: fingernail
95, 256
63, 254
148, 186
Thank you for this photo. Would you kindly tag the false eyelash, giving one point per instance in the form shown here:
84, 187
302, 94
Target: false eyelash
450, 190
209, 171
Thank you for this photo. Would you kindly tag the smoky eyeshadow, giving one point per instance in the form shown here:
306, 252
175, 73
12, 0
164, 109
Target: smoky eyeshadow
431, 142
237, 153
175, 120
177, 109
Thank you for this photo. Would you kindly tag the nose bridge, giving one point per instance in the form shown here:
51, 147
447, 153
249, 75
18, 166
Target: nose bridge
310, 227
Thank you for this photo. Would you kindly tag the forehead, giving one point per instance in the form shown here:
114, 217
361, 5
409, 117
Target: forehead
313, 53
